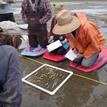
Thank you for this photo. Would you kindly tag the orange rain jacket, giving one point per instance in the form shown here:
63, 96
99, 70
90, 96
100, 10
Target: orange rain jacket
89, 39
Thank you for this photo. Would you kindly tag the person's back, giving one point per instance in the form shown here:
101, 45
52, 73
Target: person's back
10, 77
10, 72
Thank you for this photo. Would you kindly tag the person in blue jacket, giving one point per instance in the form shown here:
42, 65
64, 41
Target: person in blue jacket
10, 72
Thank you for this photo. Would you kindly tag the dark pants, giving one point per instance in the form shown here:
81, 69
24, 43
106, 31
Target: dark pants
60, 51
90, 61
6, 17
38, 35
87, 62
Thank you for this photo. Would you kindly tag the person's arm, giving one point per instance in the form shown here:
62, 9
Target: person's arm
53, 22
12, 88
50, 39
48, 13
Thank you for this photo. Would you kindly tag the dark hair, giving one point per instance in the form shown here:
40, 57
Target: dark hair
13, 40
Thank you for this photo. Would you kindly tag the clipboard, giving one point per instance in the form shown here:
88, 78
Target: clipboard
54, 45
71, 55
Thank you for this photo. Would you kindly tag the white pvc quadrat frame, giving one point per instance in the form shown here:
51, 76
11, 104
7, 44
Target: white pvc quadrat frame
43, 89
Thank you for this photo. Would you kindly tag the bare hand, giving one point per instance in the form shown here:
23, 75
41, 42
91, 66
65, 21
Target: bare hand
79, 55
50, 39
75, 50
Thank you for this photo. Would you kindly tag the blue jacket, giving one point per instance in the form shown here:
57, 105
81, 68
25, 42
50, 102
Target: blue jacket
10, 77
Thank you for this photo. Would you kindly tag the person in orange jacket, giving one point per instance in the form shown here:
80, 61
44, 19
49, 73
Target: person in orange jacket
85, 38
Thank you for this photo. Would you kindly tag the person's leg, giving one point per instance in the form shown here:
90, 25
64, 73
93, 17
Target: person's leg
43, 37
32, 35
32, 40
61, 51
90, 61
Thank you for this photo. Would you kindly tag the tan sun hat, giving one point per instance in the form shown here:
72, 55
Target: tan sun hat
58, 7
66, 22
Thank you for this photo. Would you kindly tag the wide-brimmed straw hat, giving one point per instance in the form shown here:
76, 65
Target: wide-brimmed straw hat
66, 22
58, 7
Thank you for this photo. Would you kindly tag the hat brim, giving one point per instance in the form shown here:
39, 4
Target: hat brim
13, 32
11, 28
68, 28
